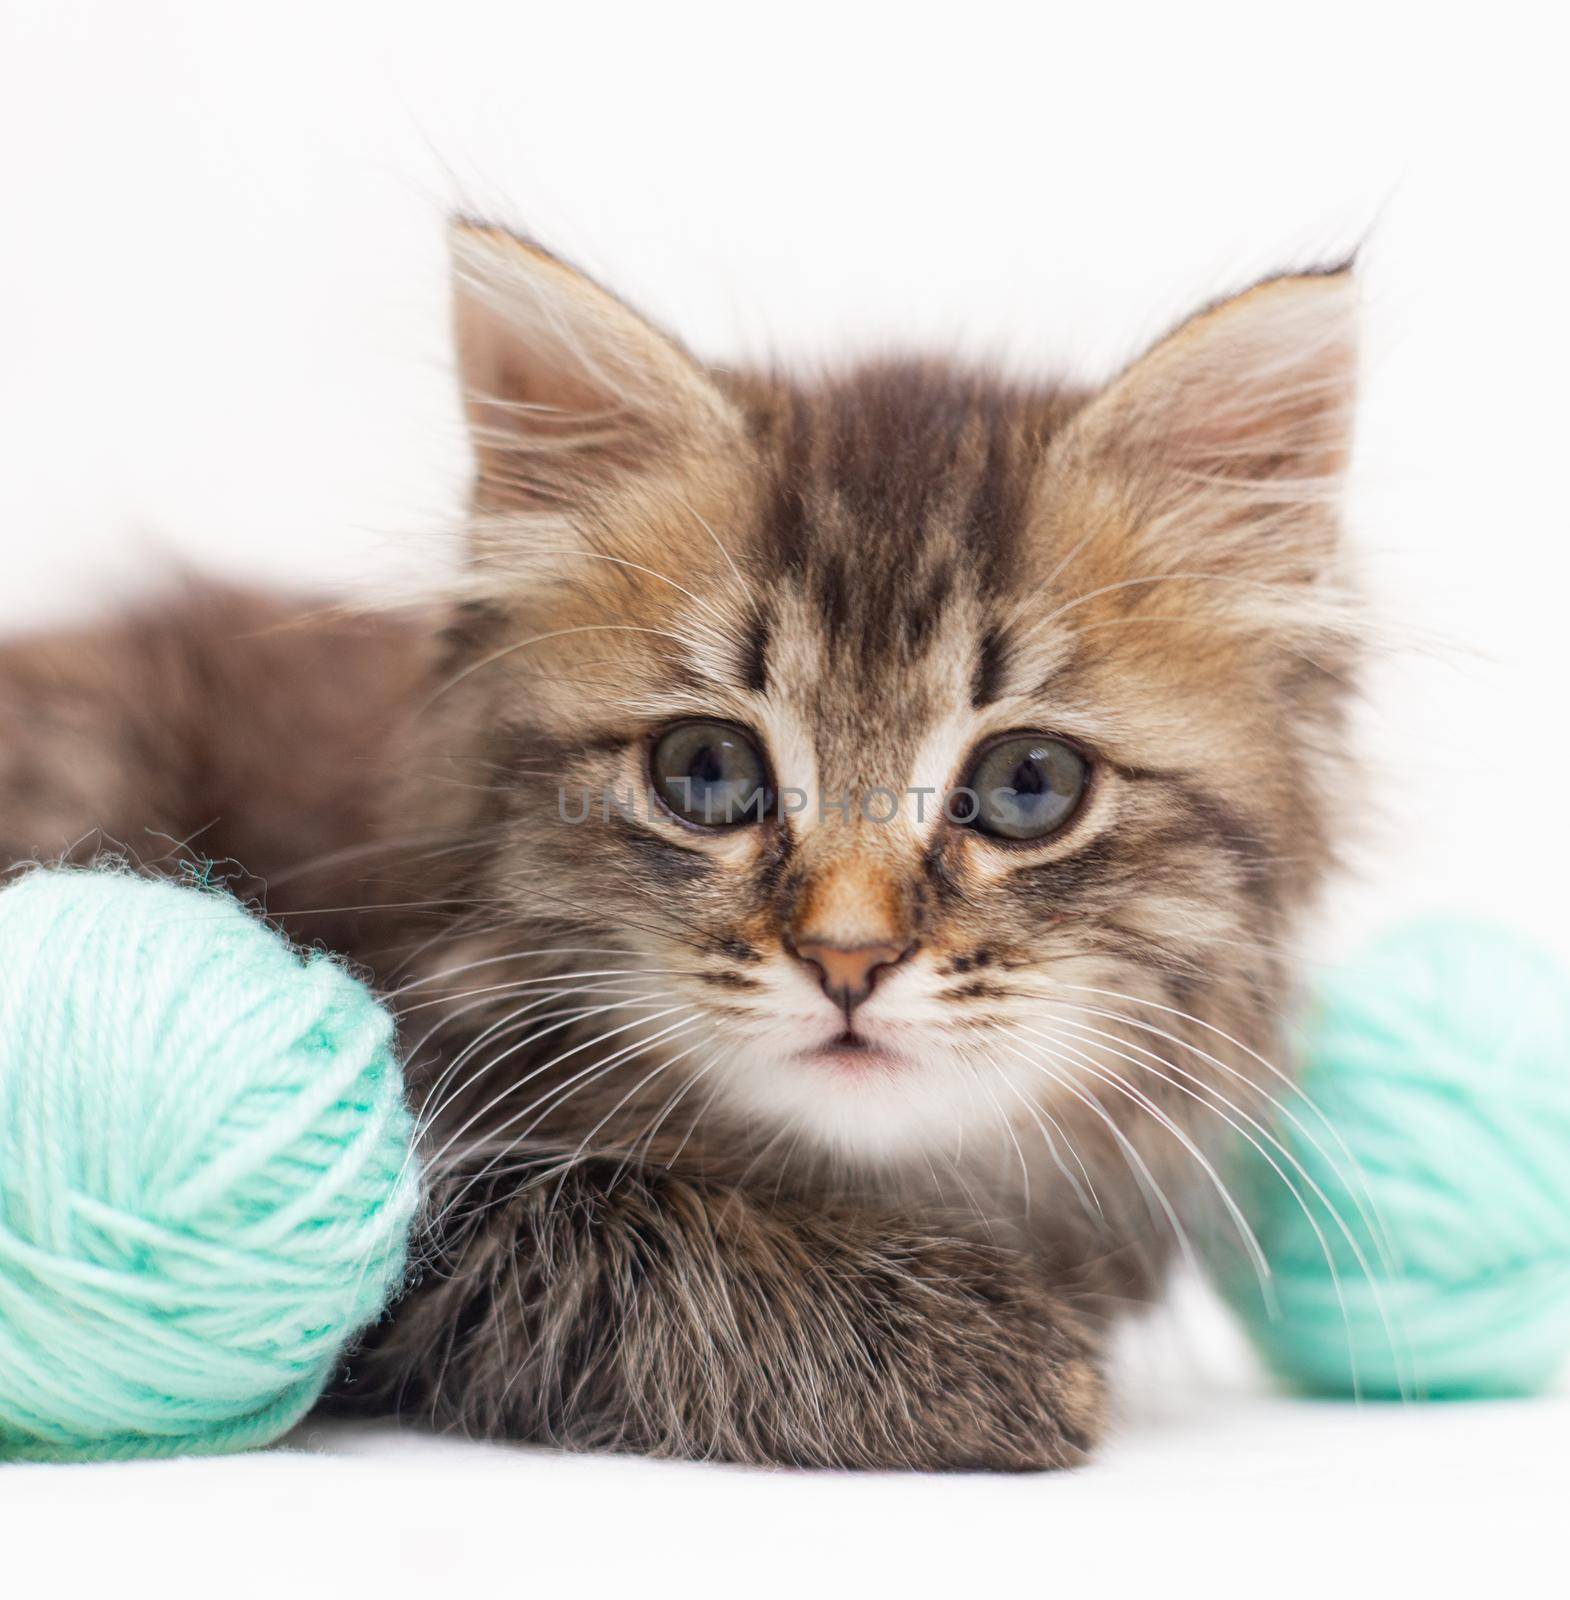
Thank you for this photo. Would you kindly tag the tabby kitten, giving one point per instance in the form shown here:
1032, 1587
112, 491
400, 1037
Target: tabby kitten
831, 857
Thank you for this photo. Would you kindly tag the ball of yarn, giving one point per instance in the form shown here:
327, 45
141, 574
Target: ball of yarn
1435, 1124
206, 1178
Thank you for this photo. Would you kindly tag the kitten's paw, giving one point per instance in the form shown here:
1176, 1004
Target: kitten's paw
663, 1317
998, 1373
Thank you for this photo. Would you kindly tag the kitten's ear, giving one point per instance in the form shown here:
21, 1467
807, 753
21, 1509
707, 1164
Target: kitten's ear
563, 384
1232, 433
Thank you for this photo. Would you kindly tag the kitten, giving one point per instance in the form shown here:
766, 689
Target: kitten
832, 858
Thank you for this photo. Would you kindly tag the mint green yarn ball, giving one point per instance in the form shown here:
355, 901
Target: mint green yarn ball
1438, 1068
206, 1170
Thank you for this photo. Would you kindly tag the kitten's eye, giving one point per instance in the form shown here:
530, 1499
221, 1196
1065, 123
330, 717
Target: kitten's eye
1025, 787
710, 774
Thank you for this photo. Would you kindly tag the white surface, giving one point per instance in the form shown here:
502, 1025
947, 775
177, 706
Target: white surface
1209, 1485
222, 319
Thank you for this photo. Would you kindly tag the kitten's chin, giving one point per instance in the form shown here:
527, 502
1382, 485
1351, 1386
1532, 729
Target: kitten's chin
864, 1100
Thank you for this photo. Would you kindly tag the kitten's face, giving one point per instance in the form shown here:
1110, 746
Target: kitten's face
1030, 695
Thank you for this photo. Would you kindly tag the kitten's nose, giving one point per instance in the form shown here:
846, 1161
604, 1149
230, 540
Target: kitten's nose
848, 972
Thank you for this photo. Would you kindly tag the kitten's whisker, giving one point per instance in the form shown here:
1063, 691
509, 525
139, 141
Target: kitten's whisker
588, 1044
565, 1022
563, 983
383, 905
1136, 1161
1292, 1189
512, 1020
583, 1147
703, 523
1370, 1218
515, 984
1164, 1068
533, 551
699, 1115
1387, 1262
544, 1066
478, 1042
1296, 651
782, 1166
357, 852
446, 1091
702, 939
543, 638
646, 1139
464, 1002
981, 1213
1008, 1127
466, 926
547, 952
1138, 1097
793, 1130
508, 1019
1037, 1114
551, 1099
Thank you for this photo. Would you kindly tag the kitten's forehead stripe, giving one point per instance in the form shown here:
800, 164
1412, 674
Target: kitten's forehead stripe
784, 428
998, 503
896, 490
991, 669
755, 652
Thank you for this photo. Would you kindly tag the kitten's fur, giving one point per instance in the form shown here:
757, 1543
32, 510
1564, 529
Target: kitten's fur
654, 1225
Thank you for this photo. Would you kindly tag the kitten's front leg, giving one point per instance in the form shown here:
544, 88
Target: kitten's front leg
608, 1310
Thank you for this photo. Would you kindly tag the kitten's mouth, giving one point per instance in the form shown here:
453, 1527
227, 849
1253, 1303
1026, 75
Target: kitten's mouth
851, 1052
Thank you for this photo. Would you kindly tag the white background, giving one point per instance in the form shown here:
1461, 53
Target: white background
222, 337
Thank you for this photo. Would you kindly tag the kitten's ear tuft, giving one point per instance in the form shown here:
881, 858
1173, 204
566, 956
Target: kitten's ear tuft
563, 383
1260, 383
1236, 427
